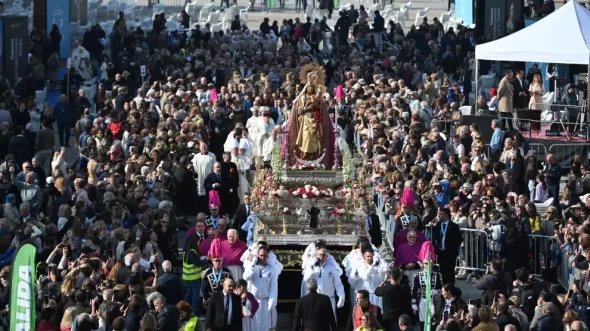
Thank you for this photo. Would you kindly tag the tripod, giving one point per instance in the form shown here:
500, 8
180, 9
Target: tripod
581, 120
556, 119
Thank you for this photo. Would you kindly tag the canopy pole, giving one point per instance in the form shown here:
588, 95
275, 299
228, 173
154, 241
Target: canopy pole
477, 79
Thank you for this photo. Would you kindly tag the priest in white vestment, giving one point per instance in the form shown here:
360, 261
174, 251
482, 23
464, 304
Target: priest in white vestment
203, 165
229, 142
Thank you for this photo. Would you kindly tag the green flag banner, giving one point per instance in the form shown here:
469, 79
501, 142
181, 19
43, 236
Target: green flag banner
427, 322
22, 296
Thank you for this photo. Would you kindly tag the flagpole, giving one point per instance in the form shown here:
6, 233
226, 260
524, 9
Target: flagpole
427, 322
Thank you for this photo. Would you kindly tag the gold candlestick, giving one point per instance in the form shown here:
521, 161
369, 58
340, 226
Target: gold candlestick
285, 227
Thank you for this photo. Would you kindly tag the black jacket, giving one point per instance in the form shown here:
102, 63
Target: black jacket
397, 300
170, 286
19, 147
239, 220
490, 283
504, 319
517, 178
314, 312
378, 23
185, 188
168, 319
519, 101
215, 313
453, 238
439, 306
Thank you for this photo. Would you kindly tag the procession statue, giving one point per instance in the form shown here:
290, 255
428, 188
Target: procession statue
309, 139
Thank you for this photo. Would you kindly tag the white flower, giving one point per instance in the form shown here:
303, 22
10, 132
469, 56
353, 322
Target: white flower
304, 196
286, 210
295, 193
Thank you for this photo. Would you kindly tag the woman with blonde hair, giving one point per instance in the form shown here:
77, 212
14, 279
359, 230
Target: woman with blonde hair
536, 90
67, 320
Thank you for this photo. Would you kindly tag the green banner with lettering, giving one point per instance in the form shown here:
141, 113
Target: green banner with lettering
22, 296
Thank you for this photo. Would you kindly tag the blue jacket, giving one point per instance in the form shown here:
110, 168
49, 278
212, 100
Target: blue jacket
497, 140
63, 113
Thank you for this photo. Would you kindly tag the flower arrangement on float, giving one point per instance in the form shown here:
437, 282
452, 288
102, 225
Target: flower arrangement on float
311, 166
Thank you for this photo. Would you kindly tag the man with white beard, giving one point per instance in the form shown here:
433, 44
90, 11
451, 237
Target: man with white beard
203, 165
328, 277
263, 284
367, 274
265, 125
269, 145
252, 123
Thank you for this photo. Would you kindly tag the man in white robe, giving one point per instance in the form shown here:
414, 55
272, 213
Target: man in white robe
263, 284
252, 150
357, 256
328, 277
367, 274
252, 123
203, 165
265, 126
252, 253
243, 163
229, 142
269, 145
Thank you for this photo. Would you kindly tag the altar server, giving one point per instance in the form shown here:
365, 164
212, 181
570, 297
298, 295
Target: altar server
263, 283
249, 305
252, 253
367, 274
355, 256
328, 277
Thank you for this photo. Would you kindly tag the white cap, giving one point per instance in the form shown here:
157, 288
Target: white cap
235, 144
50, 180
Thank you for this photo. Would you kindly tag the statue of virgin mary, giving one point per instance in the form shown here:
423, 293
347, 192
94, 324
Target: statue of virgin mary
310, 132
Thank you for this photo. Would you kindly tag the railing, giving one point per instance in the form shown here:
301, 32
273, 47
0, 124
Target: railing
479, 247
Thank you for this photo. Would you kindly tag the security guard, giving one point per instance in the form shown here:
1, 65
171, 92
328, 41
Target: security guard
192, 269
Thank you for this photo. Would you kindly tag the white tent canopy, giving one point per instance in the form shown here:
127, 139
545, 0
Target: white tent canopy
561, 37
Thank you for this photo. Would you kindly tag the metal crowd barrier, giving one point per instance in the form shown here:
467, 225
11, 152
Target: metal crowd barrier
386, 221
564, 153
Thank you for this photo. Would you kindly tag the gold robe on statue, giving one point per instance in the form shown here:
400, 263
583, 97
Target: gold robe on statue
309, 131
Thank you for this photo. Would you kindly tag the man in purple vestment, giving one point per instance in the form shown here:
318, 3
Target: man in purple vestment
407, 254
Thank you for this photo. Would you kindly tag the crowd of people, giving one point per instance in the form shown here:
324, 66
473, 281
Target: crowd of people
176, 149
